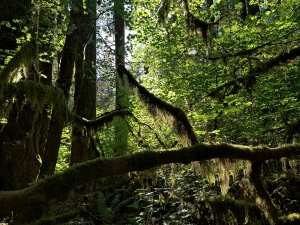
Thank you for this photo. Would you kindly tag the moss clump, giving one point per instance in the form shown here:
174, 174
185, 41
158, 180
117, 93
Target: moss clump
163, 11
38, 95
291, 219
157, 107
24, 58
148, 158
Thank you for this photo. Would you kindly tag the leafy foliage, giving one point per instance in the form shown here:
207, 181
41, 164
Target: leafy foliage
201, 71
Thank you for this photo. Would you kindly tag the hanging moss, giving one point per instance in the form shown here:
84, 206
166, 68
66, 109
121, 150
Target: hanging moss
292, 219
224, 167
39, 96
224, 207
163, 11
205, 169
196, 24
157, 107
24, 58
192, 23
224, 176
294, 164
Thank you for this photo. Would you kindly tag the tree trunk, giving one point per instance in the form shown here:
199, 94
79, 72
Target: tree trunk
121, 133
253, 9
69, 56
19, 152
85, 88
244, 9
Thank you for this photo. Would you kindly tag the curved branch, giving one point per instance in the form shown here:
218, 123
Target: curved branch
156, 106
57, 187
102, 120
246, 52
283, 58
40, 95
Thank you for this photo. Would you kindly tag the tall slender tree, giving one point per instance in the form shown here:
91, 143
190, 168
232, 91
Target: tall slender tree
121, 101
70, 54
85, 86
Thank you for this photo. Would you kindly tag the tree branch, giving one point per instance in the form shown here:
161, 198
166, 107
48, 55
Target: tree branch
247, 52
165, 110
283, 58
100, 121
56, 188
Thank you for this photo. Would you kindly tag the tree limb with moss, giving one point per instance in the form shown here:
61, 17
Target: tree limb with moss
57, 188
157, 107
249, 80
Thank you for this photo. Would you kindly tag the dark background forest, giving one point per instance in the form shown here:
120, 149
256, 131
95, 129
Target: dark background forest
149, 112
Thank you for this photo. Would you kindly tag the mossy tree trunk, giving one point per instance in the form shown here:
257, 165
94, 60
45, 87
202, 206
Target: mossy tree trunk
121, 131
45, 67
85, 87
19, 151
20, 146
68, 59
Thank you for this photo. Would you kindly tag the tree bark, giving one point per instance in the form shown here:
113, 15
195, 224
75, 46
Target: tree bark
85, 87
69, 56
19, 153
121, 131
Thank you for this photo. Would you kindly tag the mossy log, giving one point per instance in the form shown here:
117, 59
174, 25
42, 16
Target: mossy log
57, 187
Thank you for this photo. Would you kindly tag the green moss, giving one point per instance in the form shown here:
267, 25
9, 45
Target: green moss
67, 181
24, 58
291, 219
157, 107
163, 11
148, 158
39, 96
222, 207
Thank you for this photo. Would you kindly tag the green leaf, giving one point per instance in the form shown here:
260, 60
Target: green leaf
215, 132
134, 206
230, 99
218, 107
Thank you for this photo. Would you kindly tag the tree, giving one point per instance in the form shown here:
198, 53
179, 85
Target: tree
19, 133
70, 54
85, 87
121, 103
221, 85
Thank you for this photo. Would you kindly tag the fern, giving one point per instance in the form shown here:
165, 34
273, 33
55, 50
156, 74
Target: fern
108, 211
104, 211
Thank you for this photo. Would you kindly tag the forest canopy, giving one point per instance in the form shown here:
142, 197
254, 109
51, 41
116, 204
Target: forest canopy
165, 112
